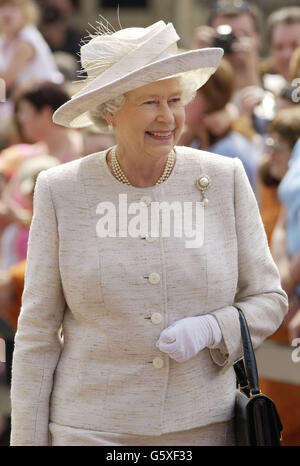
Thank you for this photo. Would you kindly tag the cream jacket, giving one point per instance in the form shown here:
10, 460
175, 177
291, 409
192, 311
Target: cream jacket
113, 296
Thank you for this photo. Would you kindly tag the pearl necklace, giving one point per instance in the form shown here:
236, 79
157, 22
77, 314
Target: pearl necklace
120, 175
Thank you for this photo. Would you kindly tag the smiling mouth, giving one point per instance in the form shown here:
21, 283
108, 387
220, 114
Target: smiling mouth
160, 134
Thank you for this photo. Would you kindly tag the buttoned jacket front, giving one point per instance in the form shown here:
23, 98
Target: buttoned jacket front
114, 295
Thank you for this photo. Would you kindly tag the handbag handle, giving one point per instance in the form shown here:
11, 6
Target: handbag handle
250, 366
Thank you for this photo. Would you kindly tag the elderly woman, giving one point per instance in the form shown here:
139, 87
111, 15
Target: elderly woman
128, 331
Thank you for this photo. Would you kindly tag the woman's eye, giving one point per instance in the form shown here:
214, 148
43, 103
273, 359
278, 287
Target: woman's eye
174, 100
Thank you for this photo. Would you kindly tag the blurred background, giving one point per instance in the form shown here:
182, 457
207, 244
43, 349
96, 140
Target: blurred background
249, 109
185, 15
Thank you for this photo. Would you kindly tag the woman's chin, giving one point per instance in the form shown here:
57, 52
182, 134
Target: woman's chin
163, 145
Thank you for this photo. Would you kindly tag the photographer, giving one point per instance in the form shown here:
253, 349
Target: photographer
203, 131
240, 39
58, 27
235, 26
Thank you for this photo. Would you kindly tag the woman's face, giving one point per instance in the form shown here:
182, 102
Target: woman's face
152, 118
280, 154
29, 120
11, 18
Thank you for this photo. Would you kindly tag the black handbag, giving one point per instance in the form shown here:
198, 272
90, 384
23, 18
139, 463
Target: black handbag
257, 422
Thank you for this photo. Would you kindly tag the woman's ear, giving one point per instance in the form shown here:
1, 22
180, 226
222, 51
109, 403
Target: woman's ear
109, 119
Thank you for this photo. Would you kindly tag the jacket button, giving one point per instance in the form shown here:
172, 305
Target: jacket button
158, 363
156, 318
146, 200
154, 278
151, 239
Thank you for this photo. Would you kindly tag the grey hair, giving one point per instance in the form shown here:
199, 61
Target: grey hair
98, 114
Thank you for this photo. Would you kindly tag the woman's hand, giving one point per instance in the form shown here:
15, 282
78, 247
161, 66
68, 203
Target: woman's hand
186, 337
203, 37
219, 122
249, 98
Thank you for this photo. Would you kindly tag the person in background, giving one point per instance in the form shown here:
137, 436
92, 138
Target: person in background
21, 218
294, 69
284, 133
10, 161
285, 240
24, 54
290, 93
57, 27
236, 27
284, 37
14, 238
34, 108
11, 290
243, 39
201, 131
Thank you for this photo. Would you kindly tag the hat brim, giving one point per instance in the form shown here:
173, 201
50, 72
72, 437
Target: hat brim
200, 63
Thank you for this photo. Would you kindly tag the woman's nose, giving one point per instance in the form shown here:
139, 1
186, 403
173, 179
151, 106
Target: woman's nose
165, 113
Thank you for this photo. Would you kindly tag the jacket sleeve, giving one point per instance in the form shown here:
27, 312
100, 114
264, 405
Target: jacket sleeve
259, 293
37, 343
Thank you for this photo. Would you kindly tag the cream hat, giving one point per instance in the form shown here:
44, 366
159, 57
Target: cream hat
130, 58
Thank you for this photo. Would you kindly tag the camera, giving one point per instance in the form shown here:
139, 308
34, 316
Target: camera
224, 38
289, 93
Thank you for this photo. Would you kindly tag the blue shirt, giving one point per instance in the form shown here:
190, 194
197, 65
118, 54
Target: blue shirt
237, 145
289, 195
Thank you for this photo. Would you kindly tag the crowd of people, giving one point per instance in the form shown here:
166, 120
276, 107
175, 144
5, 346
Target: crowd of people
248, 109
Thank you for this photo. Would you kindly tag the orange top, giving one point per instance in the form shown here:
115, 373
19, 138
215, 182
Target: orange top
269, 208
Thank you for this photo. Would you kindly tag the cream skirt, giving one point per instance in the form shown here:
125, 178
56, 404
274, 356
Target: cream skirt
218, 434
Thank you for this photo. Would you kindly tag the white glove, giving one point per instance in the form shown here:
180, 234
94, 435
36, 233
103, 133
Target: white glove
185, 338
